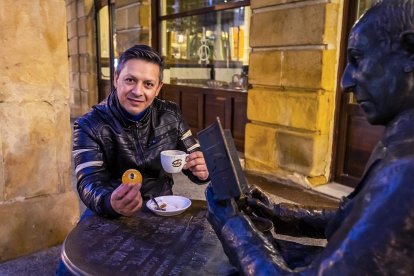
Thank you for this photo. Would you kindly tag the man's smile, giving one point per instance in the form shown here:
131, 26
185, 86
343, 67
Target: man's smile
136, 100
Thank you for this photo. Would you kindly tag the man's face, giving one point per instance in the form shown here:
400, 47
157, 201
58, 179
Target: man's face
137, 85
376, 75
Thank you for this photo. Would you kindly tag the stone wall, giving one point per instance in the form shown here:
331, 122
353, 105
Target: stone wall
81, 35
37, 204
132, 24
293, 71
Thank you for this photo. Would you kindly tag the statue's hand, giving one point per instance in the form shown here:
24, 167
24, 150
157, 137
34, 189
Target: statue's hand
219, 211
259, 202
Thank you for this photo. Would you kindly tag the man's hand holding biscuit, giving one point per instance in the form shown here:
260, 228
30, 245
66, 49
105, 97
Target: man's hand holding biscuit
126, 200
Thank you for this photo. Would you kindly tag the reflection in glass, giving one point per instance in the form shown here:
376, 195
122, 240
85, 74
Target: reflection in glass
178, 6
104, 49
215, 46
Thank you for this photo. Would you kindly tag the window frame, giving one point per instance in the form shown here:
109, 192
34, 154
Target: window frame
156, 18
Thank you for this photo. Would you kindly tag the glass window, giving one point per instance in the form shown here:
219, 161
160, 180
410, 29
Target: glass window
178, 6
207, 49
363, 6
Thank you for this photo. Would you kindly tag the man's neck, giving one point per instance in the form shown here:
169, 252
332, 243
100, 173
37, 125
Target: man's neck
133, 117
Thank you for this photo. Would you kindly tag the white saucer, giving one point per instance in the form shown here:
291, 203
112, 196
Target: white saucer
175, 205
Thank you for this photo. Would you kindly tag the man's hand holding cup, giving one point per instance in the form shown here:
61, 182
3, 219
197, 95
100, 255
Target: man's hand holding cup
173, 161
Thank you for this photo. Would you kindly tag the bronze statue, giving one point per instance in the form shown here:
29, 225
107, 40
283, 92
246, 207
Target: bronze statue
372, 231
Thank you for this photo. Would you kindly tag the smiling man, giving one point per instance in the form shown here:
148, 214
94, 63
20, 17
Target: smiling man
372, 231
128, 130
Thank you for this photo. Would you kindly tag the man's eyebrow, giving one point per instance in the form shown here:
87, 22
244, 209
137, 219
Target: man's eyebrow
130, 76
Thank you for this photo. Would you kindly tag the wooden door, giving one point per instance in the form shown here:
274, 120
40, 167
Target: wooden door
356, 138
192, 109
239, 120
218, 106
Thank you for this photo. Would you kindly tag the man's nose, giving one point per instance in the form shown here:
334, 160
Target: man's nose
347, 82
137, 90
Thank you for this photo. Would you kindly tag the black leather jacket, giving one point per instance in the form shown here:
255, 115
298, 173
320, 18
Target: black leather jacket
106, 143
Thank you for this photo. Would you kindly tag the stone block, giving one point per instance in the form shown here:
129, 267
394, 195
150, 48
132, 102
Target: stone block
71, 11
84, 45
39, 62
72, 29
133, 17
302, 69
121, 22
295, 69
84, 102
310, 111
310, 69
93, 89
84, 80
82, 29
73, 46
265, 68
30, 149
144, 16
128, 39
80, 6
303, 25
74, 81
84, 64
75, 110
73, 64
267, 3
333, 23
260, 147
303, 153
122, 3
35, 224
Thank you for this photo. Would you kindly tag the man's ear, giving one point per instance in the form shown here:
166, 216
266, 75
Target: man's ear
407, 43
159, 88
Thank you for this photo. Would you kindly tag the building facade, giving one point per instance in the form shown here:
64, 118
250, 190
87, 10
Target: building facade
292, 121
299, 128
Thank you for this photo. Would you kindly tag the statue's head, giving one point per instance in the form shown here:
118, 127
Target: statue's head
380, 67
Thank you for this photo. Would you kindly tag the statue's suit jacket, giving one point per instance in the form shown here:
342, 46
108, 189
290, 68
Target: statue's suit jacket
371, 233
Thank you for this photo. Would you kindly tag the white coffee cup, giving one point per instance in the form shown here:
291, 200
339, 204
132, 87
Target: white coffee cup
173, 161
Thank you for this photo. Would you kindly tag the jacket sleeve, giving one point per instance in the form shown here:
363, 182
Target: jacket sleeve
93, 181
376, 238
189, 144
297, 220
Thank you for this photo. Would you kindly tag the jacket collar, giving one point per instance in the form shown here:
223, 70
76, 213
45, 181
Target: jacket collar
400, 130
398, 139
115, 108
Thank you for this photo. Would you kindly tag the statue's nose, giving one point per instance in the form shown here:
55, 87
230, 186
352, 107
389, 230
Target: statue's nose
348, 81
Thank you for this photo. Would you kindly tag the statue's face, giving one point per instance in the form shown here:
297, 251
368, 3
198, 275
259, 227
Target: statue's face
375, 74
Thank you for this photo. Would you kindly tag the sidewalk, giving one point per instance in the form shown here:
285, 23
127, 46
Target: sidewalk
45, 262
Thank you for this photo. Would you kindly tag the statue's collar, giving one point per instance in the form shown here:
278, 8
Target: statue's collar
400, 129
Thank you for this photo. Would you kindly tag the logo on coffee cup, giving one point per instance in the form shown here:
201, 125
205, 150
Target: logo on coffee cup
176, 163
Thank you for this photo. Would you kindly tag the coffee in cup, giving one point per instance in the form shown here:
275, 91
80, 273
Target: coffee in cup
173, 161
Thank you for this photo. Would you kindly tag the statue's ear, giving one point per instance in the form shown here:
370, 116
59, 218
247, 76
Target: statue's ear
407, 42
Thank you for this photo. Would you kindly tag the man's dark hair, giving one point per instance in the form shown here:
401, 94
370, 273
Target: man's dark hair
142, 52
